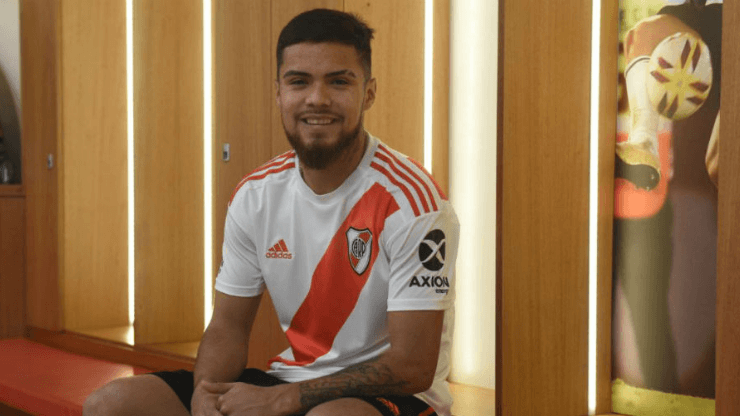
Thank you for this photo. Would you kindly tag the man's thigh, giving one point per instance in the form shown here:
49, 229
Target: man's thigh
139, 395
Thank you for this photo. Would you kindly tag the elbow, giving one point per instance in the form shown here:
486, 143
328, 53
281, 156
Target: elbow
420, 378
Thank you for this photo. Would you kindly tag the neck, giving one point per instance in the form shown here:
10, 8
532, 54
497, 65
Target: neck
323, 181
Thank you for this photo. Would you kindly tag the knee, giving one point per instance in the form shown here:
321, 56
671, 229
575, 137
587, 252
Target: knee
107, 400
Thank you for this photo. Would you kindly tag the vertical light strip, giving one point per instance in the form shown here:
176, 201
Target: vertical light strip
428, 81
130, 151
207, 163
593, 202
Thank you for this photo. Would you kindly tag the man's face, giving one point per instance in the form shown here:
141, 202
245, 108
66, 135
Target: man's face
322, 95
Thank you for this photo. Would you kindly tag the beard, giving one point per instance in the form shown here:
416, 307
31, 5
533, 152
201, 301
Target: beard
318, 156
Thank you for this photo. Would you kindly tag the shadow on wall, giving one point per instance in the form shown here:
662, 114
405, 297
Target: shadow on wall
11, 127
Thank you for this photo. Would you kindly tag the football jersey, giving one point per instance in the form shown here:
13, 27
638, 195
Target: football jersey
335, 264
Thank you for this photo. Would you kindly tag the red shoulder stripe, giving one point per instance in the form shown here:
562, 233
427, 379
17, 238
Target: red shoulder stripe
282, 162
278, 160
436, 185
405, 178
411, 171
402, 187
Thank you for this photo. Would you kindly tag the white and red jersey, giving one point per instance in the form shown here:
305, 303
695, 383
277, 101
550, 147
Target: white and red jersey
335, 264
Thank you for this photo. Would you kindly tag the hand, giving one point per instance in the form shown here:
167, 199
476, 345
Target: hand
204, 402
240, 399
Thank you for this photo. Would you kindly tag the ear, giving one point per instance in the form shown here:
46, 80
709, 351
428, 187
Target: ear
370, 88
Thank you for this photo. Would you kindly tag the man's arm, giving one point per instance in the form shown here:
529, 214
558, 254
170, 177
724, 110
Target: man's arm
222, 354
407, 367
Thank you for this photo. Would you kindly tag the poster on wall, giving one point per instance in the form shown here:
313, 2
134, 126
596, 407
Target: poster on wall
665, 225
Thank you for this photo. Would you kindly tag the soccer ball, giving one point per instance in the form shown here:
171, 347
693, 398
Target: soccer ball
680, 78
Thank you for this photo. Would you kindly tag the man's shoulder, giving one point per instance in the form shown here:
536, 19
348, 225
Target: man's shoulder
273, 171
412, 186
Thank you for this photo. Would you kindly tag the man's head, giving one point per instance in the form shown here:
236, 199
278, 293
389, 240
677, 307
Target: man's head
324, 86
333, 26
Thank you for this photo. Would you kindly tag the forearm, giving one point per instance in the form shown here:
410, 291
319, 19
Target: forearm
222, 355
379, 377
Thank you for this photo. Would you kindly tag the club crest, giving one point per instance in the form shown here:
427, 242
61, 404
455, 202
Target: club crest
359, 247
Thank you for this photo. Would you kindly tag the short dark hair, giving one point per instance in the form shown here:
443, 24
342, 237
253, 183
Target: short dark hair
326, 25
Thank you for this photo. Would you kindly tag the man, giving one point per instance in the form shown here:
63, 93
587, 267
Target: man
356, 245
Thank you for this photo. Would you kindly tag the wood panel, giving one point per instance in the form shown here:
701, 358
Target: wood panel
544, 248
244, 77
94, 168
397, 117
728, 259
40, 52
607, 139
168, 143
12, 266
282, 12
441, 95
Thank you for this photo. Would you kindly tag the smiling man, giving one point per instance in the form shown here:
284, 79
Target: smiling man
356, 245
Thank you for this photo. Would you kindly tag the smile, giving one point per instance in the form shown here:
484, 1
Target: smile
318, 121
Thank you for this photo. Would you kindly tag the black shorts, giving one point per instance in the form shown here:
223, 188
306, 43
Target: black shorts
181, 382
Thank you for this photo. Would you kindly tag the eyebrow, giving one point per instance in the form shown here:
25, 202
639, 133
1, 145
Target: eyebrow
347, 72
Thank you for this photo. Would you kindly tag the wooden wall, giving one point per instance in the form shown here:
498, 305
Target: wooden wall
543, 279
728, 248
40, 91
93, 164
168, 170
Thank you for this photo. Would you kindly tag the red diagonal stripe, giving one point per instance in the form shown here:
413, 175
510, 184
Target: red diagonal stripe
408, 169
282, 245
400, 186
335, 287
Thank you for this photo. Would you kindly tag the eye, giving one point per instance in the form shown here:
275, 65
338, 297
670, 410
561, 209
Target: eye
340, 81
297, 81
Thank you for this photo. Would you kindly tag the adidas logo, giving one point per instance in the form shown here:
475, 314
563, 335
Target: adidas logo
279, 251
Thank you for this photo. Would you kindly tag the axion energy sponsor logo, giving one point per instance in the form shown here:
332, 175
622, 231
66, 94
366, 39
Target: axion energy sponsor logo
441, 284
432, 250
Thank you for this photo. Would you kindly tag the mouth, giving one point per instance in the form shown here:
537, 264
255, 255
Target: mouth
315, 120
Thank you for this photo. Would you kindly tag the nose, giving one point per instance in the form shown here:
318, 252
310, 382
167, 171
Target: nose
318, 95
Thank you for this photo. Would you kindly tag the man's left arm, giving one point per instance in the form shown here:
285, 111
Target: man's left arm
406, 368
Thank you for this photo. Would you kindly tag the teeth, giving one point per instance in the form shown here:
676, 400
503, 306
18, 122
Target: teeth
318, 121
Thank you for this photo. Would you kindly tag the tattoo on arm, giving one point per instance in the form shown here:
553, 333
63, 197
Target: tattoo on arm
371, 378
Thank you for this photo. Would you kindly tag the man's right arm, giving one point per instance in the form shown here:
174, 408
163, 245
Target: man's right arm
222, 355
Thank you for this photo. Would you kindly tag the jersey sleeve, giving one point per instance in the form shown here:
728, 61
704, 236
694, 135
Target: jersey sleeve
422, 263
240, 273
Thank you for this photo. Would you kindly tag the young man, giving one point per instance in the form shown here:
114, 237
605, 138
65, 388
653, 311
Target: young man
355, 244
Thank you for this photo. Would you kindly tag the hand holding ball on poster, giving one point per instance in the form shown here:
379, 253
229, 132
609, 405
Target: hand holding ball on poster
681, 76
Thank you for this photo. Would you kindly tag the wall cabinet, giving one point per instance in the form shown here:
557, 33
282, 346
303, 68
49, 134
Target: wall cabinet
12, 261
